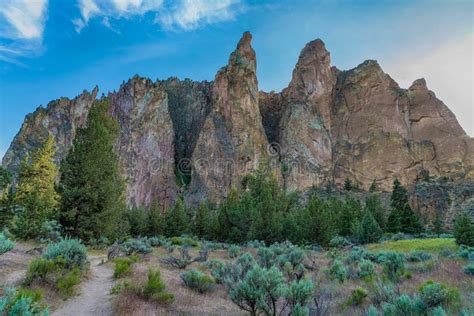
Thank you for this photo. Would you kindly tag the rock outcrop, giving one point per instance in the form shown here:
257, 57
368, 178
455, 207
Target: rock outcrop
200, 138
232, 142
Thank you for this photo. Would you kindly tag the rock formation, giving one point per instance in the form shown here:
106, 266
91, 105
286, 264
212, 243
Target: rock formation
201, 138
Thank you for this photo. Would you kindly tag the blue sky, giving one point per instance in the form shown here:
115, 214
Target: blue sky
55, 48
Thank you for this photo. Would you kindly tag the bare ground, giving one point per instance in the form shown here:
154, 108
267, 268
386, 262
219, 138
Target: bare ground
94, 293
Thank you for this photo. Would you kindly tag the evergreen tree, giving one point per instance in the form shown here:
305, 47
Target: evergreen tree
91, 186
35, 192
138, 221
373, 186
347, 184
316, 222
373, 204
438, 225
464, 230
201, 220
349, 217
177, 220
402, 218
156, 220
369, 229
5, 197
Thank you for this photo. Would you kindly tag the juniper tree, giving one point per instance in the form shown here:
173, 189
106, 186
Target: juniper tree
35, 192
91, 186
373, 204
347, 184
177, 219
156, 220
402, 218
369, 229
464, 230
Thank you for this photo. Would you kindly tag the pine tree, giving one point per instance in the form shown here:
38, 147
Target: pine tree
5, 197
369, 229
91, 185
138, 221
350, 216
464, 230
402, 218
200, 220
177, 220
35, 192
156, 220
373, 204
438, 225
373, 186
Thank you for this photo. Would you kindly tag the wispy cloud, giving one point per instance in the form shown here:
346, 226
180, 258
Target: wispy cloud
21, 29
171, 14
192, 14
25, 18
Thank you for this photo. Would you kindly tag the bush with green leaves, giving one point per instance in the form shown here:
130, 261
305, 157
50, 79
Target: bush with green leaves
51, 231
339, 242
298, 295
285, 255
393, 264
197, 281
369, 230
181, 261
234, 251
71, 250
136, 245
231, 272
5, 244
338, 271
156, 241
123, 266
67, 281
357, 297
366, 270
22, 302
402, 305
184, 241
418, 256
466, 252
434, 294
469, 269
100, 243
154, 288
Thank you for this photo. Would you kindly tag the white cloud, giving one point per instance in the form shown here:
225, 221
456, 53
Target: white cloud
25, 18
173, 14
448, 70
192, 14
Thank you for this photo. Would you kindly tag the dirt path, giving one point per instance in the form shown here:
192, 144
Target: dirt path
94, 295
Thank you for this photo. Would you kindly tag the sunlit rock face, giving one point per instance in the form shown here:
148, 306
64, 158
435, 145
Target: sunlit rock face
232, 141
200, 138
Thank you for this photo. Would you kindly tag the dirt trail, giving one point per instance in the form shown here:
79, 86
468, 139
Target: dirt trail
94, 294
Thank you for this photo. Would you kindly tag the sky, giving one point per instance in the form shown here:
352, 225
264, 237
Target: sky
58, 48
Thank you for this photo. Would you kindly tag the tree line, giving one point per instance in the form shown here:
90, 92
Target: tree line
88, 201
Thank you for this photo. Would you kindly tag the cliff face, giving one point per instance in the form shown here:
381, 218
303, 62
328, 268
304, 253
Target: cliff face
201, 138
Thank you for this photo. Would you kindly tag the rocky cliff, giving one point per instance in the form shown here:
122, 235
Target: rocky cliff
201, 138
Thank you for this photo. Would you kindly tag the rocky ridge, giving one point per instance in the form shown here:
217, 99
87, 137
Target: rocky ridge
201, 138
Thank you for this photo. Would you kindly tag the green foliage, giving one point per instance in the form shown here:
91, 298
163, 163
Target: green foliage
51, 232
393, 265
349, 217
155, 220
72, 251
434, 294
91, 185
39, 269
35, 192
403, 305
347, 184
234, 251
316, 222
5, 244
177, 220
469, 269
357, 297
22, 302
65, 283
198, 281
402, 218
338, 271
123, 266
432, 245
418, 256
138, 221
369, 229
298, 295
373, 204
202, 221
464, 230
339, 242
136, 245
154, 288
184, 241
366, 270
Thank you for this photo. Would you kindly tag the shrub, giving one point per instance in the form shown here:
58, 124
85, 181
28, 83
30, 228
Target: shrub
71, 250
136, 245
433, 294
255, 244
198, 281
101, 243
65, 284
184, 241
154, 288
357, 297
418, 256
369, 230
403, 305
39, 268
156, 241
22, 302
234, 251
5, 244
123, 266
393, 265
50, 232
357, 254
466, 253
339, 242
180, 262
366, 270
469, 269
298, 294
338, 271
